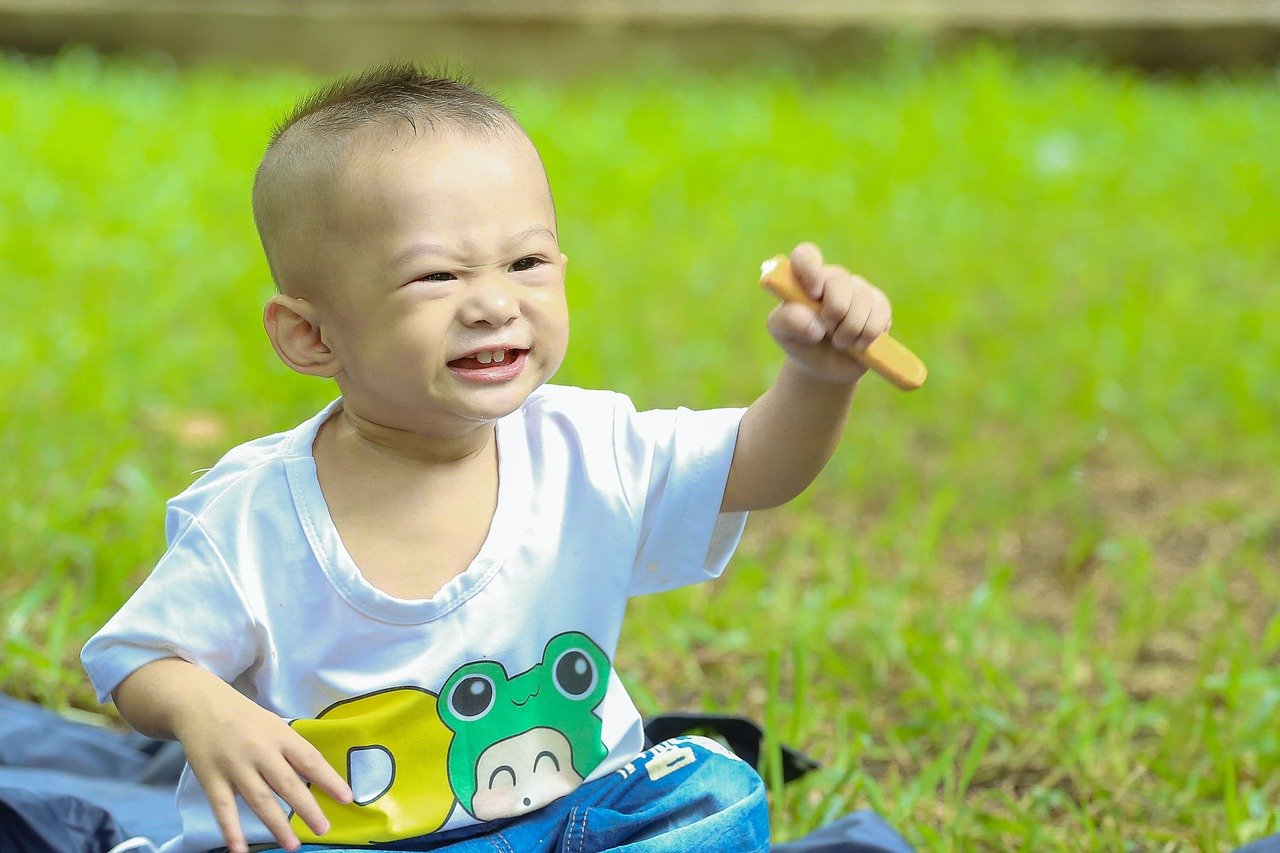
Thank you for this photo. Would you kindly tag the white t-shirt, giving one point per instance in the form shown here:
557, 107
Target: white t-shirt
493, 697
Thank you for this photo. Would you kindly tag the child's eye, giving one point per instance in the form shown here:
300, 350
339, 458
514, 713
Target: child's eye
525, 264
436, 276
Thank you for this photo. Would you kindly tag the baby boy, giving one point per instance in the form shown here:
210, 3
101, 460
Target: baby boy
395, 623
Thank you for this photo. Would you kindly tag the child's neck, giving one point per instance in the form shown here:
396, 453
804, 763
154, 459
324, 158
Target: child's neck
353, 435
412, 513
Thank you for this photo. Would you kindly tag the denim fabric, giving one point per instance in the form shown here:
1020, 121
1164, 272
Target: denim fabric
685, 794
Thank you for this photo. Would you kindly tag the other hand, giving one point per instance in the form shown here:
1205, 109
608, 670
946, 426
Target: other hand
238, 749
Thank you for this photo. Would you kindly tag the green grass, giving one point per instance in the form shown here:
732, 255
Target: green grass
1029, 607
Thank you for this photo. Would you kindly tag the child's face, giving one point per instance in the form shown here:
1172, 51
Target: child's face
444, 294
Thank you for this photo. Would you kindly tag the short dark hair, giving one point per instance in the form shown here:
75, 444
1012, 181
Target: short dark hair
404, 91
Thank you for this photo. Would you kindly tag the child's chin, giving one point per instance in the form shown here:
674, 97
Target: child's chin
491, 402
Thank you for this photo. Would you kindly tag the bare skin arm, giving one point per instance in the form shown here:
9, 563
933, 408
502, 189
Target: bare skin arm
789, 433
234, 746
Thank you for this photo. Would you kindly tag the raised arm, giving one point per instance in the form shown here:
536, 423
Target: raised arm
790, 432
234, 746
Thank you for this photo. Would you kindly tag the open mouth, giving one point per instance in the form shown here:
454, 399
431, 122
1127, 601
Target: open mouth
488, 359
498, 365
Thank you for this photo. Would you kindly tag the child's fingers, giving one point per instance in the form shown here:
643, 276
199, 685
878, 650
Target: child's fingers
222, 801
259, 795
807, 265
791, 321
289, 786
851, 329
877, 324
313, 767
841, 305
866, 319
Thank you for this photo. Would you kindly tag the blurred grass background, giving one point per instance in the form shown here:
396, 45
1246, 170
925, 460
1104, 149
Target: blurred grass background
1031, 606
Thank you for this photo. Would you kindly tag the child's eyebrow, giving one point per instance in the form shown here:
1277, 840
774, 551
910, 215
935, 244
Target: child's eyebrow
536, 231
419, 249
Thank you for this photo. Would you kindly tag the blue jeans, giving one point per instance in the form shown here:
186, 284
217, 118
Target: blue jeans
686, 794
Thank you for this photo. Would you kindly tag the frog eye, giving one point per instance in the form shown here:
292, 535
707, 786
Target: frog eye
472, 697
574, 674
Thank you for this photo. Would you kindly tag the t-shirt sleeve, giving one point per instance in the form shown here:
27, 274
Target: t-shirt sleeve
673, 466
189, 607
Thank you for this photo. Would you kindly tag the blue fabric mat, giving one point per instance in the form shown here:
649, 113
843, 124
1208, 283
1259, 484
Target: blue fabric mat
89, 788
51, 760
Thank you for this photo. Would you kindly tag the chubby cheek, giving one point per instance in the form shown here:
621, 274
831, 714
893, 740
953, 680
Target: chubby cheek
551, 319
396, 346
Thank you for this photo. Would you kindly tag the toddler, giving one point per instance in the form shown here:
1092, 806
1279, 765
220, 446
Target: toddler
394, 625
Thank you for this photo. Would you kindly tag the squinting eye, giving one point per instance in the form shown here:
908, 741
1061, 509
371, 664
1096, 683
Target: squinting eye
525, 264
437, 276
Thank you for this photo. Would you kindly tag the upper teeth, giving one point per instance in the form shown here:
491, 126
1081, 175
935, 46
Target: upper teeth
490, 357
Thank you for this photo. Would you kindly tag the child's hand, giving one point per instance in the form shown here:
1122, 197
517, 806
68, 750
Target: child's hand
854, 313
237, 748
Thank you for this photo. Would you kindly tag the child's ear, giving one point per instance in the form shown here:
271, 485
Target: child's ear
293, 324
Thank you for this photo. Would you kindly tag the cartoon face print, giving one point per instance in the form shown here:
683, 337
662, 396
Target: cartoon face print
523, 741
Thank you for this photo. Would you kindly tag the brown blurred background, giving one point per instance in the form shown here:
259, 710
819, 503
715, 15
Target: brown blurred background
556, 37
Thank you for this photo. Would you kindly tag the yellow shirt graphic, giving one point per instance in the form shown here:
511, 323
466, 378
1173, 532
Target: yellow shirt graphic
394, 751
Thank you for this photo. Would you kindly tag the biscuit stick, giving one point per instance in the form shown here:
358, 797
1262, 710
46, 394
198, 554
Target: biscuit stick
885, 356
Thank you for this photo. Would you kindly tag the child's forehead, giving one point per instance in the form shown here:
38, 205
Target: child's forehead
318, 157
447, 184
391, 137
406, 160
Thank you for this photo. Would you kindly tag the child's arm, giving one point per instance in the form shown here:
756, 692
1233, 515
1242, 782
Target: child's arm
790, 432
234, 746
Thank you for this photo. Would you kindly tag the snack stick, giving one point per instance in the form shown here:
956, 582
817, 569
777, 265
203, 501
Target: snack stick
885, 356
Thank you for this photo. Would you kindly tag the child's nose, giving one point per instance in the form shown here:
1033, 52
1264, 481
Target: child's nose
491, 301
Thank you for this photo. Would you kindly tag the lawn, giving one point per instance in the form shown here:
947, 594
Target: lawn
1030, 606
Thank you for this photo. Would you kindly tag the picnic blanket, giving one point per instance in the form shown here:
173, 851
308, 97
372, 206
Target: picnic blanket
71, 787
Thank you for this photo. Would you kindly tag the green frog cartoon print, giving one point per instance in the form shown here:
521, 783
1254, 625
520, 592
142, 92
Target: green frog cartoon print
493, 744
520, 742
